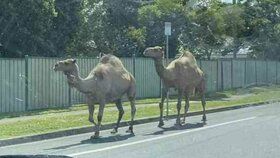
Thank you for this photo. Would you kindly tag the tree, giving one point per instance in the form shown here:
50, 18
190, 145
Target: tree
234, 26
108, 24
152, 17
203, 34
263, 28
25, 27
66, 26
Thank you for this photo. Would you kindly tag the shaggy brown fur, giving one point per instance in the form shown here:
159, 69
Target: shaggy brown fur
182, 74
107, 82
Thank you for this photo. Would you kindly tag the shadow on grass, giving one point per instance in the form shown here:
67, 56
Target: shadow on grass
174, 128
109, 139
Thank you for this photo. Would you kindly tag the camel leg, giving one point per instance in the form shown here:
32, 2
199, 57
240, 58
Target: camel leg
164, 95
121, 112
202, 89
99, 119
187, 105
90, 111
203, 106
133, 111
178, 121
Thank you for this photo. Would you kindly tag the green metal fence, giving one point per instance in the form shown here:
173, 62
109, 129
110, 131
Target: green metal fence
30, 83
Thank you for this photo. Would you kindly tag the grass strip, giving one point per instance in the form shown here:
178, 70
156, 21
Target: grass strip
49, 120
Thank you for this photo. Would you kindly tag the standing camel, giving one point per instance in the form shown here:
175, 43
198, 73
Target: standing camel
107, 82
182, 74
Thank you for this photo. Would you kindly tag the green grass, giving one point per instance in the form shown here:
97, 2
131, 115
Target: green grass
49, 120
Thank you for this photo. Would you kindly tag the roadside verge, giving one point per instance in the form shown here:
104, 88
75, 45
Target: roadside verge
87, 129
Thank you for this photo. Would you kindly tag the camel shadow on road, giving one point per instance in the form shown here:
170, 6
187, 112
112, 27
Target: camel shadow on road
112, 138
174, 128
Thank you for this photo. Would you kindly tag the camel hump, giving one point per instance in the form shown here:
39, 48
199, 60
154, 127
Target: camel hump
187, 58
188, 54
111, 59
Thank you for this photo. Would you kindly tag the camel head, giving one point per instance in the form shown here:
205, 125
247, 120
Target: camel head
154, 52
66, 66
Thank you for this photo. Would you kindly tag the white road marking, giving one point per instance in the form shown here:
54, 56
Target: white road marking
160, 137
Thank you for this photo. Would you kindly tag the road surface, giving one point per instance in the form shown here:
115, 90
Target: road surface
252, 132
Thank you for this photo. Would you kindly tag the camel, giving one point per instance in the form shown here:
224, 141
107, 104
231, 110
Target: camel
182, 74
107, 82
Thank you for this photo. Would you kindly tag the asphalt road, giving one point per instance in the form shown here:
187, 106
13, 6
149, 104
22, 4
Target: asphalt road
252, 132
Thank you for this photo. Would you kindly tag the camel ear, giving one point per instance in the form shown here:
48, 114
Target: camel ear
163, 48
74, 61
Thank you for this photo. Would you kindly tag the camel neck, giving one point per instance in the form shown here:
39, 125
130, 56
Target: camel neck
161, 70
81, 84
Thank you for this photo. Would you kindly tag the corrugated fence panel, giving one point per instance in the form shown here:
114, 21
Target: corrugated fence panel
210, 69
147, 80
271, 72
12, 85
46, 88
250, 72
227, 74
219, 79
58, 86
261, 72
128, 64
238, 73
278, 72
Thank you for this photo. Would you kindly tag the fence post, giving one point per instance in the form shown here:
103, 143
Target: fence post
256, 72
69, 96
231, 75
266, 69
245, 73
222, 75
217, 81
26, 82
276, 72
133, 62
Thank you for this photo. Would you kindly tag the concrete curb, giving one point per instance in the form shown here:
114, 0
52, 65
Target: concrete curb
87, 129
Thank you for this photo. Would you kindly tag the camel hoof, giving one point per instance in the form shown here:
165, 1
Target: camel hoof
115, 130
160, 124
130, 130
95, 137
183, 122
204, 118
178, 123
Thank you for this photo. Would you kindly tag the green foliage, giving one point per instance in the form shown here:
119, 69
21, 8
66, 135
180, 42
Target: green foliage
123, 27
66, 25
152, 18
263, 20
25, 27
37, 27
203, 35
